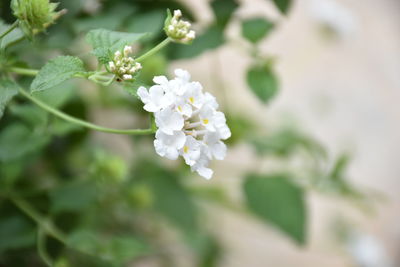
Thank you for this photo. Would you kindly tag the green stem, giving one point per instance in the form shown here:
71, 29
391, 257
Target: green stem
42, 222
28, 72
83, 123
154, 49
41, 246
10, 29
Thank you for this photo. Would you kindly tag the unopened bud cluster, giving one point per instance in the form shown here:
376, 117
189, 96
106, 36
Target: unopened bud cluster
178, 29
124, 66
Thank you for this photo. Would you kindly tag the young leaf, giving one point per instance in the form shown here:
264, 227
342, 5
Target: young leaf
223, 10
262, 82
283, 5
255, 29
57, 71
278, 201
105, 42
8, 89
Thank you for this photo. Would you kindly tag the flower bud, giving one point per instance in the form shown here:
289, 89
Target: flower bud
35, 16
177, 29
123, 66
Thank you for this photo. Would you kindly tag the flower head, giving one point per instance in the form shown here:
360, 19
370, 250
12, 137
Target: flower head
188, 122
178, 29
123, 66
35, 16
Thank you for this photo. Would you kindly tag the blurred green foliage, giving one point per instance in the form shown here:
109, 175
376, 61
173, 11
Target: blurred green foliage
97, 207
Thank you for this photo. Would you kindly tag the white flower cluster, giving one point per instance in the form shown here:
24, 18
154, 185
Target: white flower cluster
188, 122
124, 66
178, 29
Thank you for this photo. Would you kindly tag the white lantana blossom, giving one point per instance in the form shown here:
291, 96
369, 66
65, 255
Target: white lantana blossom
188, 122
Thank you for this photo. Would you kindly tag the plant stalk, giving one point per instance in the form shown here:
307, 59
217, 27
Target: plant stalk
83, 123
154, 49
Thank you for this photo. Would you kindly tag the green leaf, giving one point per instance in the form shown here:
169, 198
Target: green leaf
105, 42
262, 82
223, 10
285, 142
283, 5
11, 37
276, 200
75, 196
173, 201
57, 71
169, 197
16, 232
212, 38
17, 141
255, 29
152, 22
117, 250
8, 89
31, 114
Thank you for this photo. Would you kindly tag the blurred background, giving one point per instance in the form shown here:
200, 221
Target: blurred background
328, 119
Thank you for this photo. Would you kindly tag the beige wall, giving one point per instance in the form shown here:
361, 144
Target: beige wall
344, 91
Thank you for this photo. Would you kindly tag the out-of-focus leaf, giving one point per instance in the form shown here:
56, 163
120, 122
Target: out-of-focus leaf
223, 10
111, 20
172, 201
169, 197
241, 127
11, 37
283, 5
263, 82
212, 38
255, 29
16, 232
116, 250
59, 95
8, 89
151, 22
31, 114
105, 42
206, 247
285, 142
276, 200
75, 196
340, 167
17, 141
57, 71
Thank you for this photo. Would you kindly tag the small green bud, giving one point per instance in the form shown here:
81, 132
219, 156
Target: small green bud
35, 16
178, 29
124, 66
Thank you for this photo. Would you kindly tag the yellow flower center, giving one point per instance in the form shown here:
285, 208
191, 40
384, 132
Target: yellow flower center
185, 149
191, 99
205, 121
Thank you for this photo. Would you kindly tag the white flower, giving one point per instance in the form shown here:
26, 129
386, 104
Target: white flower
188, 122
220, 125
155, 99
191, 150
168, 145
201, 166
168, 120
214, 146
